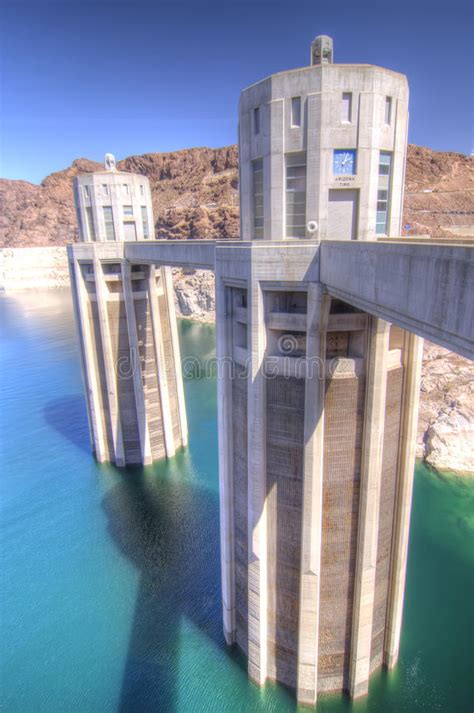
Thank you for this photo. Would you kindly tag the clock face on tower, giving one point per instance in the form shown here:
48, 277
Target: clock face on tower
344, 162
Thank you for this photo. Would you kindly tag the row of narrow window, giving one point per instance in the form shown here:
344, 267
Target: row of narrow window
295, 193
109, 221
295, 115
105, 190
346, 109
346, 112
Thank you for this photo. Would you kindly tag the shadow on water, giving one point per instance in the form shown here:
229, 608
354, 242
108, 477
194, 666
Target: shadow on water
68, 417
169, 531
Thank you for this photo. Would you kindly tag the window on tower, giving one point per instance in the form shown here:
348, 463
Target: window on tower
257, 194
296, 111
146, 232
383, 193
346, 107
296, 195
385, 163
388, 110
256, 120
128, 210
109, 223
90, 223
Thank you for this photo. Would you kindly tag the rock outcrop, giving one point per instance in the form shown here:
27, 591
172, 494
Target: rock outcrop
194, 294
446, 421
439, 194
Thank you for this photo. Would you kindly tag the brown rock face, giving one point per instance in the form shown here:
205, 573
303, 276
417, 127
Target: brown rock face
439, 193
195, 195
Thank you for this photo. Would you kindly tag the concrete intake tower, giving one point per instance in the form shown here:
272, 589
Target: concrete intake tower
126, 321
319, 377
318, 427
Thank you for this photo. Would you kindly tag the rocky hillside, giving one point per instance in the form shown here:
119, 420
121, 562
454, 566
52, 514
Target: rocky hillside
195, 195
439, 193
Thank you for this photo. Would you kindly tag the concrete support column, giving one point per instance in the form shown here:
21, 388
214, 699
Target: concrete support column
257, 511
369, 507
140, 406
169, 295
412, 361
226, 477
84, 330
162, 366
314, 194
308, 626
109, 366
245, 179
274, 175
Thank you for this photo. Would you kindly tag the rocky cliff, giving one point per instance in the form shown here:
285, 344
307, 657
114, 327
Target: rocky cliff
446, 421
195, 195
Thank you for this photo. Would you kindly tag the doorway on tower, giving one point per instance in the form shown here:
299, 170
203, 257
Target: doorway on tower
343, 213
129, 230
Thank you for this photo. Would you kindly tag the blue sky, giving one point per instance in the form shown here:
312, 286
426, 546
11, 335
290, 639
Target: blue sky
79, 78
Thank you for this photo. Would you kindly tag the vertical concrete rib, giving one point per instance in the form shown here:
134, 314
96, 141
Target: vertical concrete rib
308, 626
140, 406
273, 176
80, 299
369, 507
257, 512
412, 361
169, 294
109, 366
162, 370
226, 476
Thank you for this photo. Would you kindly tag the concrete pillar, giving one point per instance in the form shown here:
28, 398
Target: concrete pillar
308, 626
369, 505
226, 481
169, 295
109, 365
137, 370
274, 175
257, 513
84, 328
161, 365
412, 362
314, 195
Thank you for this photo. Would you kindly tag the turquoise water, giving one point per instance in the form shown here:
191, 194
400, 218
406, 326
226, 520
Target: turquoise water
110, 588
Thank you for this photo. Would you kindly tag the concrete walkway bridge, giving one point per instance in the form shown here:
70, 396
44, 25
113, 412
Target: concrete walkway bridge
423, 286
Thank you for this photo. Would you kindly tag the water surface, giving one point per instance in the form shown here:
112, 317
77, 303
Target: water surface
110, 588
